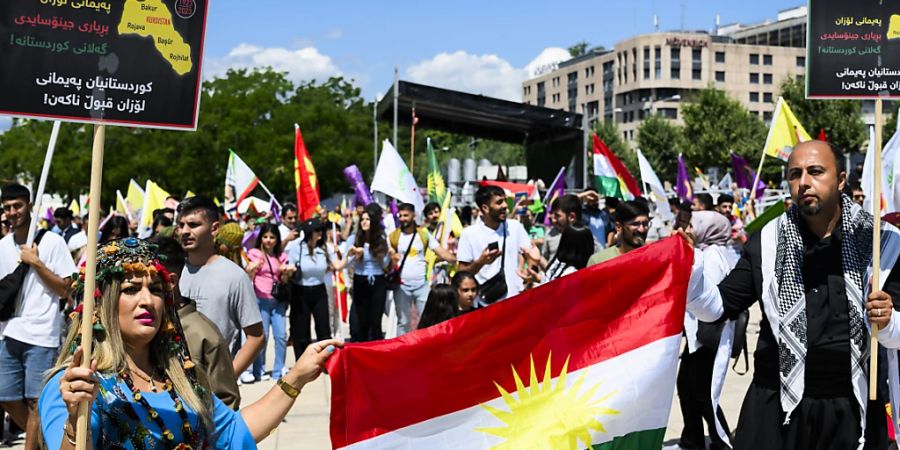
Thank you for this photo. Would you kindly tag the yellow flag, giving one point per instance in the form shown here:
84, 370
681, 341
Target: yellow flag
189, 194
121, 204
75, 207
785, 132
135, 196
154, 198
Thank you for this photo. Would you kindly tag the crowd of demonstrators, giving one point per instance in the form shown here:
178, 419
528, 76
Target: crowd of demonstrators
238, 281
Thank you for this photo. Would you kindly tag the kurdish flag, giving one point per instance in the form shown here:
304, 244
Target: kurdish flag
589, 362
611, 176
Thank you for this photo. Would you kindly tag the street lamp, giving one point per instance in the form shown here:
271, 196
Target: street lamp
650, 105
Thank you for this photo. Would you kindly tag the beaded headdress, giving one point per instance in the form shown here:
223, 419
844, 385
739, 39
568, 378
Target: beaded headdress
130, 255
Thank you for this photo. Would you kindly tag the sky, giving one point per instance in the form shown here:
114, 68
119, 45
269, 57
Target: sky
483, 47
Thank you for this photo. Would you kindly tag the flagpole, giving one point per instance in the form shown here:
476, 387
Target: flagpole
396, 101
36, 205
90, 274
412, 140
375, 134
876, 248
756, 179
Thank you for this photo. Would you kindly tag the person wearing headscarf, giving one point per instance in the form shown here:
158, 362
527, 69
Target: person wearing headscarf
712, 233
810, 268
143, 389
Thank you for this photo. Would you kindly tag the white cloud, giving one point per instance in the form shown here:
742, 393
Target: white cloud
550, 56
303, 64
489, 75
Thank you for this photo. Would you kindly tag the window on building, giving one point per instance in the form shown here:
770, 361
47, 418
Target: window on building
720, 57
754, 78
675, 63
668, 113
541, 94
754, 58
767, 116
589, 89
767, 60
646, 52
696, 64
801, 61
767, 97
634, 64
720, 76
767, 78
754, 97
589, 71
657, 63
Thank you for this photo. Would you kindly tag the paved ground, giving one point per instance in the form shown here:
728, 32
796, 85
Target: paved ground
306, 425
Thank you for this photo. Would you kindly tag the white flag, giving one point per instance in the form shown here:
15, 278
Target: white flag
725, 182
648, 176
393, 178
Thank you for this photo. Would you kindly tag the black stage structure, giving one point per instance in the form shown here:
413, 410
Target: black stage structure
552, 138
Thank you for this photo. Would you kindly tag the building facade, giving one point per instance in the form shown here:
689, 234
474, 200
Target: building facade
653, 73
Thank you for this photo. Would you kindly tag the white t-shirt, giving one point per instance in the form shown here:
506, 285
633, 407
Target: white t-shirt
474, 241
413, 274
37, 320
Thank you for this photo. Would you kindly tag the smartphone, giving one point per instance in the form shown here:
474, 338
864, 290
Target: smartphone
493, 246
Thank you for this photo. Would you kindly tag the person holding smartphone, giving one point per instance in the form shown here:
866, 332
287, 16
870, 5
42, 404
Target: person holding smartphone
494, 248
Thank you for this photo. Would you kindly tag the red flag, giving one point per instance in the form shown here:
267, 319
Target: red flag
305, 179
822, 136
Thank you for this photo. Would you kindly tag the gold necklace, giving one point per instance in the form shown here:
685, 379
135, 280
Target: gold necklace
146, 378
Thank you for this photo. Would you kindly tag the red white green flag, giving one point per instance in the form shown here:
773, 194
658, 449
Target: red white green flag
588, 360
611, 176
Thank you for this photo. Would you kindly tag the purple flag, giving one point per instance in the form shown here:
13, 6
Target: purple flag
275, 210
557, 189
395, 212
683, 187
744, 175
355, 178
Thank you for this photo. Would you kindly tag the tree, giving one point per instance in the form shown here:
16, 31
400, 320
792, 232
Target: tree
660, 141
715, 125
840, 119
609, 133
578, 49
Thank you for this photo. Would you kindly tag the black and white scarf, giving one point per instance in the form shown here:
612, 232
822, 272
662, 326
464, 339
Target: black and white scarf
856, 251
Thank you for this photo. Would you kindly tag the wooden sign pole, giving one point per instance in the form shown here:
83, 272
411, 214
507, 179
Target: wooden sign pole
90, 277
876, 247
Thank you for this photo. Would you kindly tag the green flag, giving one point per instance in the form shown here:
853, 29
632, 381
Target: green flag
436, 187
761, 220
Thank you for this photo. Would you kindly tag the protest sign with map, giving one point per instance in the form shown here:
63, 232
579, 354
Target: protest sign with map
853, 49
119, 62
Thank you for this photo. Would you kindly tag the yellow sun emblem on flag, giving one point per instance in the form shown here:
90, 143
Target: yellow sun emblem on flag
548, 415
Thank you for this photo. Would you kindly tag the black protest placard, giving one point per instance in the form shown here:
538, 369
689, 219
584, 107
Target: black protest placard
853, 49
119, 62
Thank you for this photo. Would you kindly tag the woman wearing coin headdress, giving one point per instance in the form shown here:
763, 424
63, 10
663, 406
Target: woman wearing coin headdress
142, 385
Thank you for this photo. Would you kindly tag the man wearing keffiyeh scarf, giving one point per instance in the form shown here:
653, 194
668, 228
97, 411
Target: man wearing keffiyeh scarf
811, 269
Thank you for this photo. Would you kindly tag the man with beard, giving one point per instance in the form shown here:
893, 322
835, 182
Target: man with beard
632, 224
493, 246
809, 269
410, 244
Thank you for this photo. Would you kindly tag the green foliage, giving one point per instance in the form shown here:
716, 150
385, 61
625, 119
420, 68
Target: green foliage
890, 126
609, 133
250, 111
839, 118
578, 49
661, 141
715, 125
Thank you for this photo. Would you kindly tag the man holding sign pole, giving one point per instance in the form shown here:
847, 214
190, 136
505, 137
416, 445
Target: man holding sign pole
810, 267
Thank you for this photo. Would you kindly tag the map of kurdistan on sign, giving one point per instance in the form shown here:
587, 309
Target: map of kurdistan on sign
151, 18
